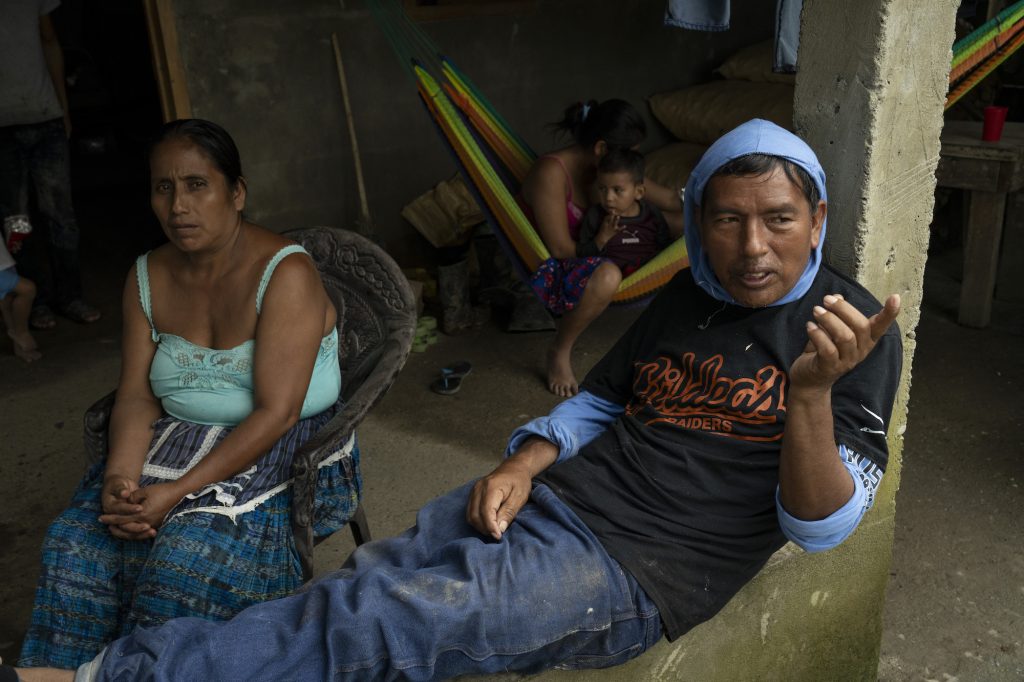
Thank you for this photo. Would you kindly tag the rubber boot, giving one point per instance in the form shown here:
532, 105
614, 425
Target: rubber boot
529, 314
457, 313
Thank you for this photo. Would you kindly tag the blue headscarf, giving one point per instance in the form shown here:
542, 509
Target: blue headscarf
753, 137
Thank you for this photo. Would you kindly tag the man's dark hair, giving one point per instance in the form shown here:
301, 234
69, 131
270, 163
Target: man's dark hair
211, 138
762, 164
623, 161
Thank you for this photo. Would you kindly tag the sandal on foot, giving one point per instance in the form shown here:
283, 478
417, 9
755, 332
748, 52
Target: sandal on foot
80, 311
451, 377
42, 317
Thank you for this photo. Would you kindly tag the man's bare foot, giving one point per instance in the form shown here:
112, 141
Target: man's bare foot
561, 380
25, 346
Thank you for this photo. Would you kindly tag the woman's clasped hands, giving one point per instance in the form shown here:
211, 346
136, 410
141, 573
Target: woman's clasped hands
134, 513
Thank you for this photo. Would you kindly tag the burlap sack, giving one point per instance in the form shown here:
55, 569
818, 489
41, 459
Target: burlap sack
445, 215
754, 63
671, 165
703, 113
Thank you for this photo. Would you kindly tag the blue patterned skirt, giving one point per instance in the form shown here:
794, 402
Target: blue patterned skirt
560, 283
218, 551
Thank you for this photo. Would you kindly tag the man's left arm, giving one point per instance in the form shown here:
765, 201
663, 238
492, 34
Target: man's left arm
55, 64
533, 447
814, 481
829, 532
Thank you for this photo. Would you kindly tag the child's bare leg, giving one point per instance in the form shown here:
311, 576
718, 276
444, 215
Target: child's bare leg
16, 307
602, 286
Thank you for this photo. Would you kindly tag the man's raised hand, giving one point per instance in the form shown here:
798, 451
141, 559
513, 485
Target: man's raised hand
839, 338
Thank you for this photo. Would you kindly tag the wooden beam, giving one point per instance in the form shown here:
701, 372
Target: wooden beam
981, 255
168, 67
442, 10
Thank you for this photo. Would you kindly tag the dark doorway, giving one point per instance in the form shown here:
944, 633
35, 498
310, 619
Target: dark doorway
115, 109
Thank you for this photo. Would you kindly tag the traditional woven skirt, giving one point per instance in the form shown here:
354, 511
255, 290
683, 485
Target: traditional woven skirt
560, 283
219, 550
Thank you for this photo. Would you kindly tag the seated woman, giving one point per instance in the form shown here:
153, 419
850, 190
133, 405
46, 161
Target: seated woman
230, 363
558, 191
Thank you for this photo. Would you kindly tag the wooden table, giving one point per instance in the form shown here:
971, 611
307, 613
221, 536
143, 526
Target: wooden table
989, 171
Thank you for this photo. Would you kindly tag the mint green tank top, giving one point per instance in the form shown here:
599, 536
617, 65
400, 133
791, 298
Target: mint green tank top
213, 386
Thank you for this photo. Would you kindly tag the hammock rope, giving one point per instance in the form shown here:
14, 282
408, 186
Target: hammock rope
978, 54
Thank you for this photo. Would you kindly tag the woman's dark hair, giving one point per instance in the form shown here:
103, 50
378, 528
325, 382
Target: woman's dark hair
762, 164
614, 120
211, 138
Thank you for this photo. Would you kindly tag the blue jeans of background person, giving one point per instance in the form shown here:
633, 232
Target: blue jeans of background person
35, 163
438, 601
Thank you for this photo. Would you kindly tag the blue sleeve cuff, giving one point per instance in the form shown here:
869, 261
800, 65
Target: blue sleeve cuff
829, 532
571, 425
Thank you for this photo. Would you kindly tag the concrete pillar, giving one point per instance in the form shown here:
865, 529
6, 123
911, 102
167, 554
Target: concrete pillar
869, 100
869, 96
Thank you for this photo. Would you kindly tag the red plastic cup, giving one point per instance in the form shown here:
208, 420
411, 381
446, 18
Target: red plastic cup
992, 129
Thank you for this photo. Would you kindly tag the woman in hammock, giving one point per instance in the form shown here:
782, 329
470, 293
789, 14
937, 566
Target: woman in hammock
558, 190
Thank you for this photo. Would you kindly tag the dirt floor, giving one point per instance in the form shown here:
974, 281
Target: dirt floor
955, 606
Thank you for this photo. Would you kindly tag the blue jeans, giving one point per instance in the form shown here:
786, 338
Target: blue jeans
35, 161
436, 602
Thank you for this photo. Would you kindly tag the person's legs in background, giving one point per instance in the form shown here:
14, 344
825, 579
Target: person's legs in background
49, 165
15, 145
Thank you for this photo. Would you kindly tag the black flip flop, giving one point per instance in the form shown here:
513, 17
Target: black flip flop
451, 377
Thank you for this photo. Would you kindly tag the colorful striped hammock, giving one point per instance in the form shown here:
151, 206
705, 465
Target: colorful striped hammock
495, 160
977, 55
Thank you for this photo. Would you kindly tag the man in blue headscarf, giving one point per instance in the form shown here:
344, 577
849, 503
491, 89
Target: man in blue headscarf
748, 404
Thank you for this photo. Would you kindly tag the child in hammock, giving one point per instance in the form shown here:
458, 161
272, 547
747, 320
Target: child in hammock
623, 227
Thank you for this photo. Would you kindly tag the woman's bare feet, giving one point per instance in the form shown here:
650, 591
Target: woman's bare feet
25, 346
561, 379
596, 296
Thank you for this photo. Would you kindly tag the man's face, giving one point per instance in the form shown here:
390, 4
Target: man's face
758, 232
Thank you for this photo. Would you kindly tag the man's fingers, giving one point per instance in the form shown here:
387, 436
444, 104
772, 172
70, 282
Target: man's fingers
820, 342
492, 503
842, 337
485, 500
881, 321
507, 512
493, 506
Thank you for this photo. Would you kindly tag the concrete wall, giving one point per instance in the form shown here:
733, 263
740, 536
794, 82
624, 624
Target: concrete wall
265, 70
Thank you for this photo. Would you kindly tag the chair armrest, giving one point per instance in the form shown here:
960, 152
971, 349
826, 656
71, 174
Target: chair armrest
96, 424
339, 429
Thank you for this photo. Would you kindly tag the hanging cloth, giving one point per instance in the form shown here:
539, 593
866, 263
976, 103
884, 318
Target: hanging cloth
714, 15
